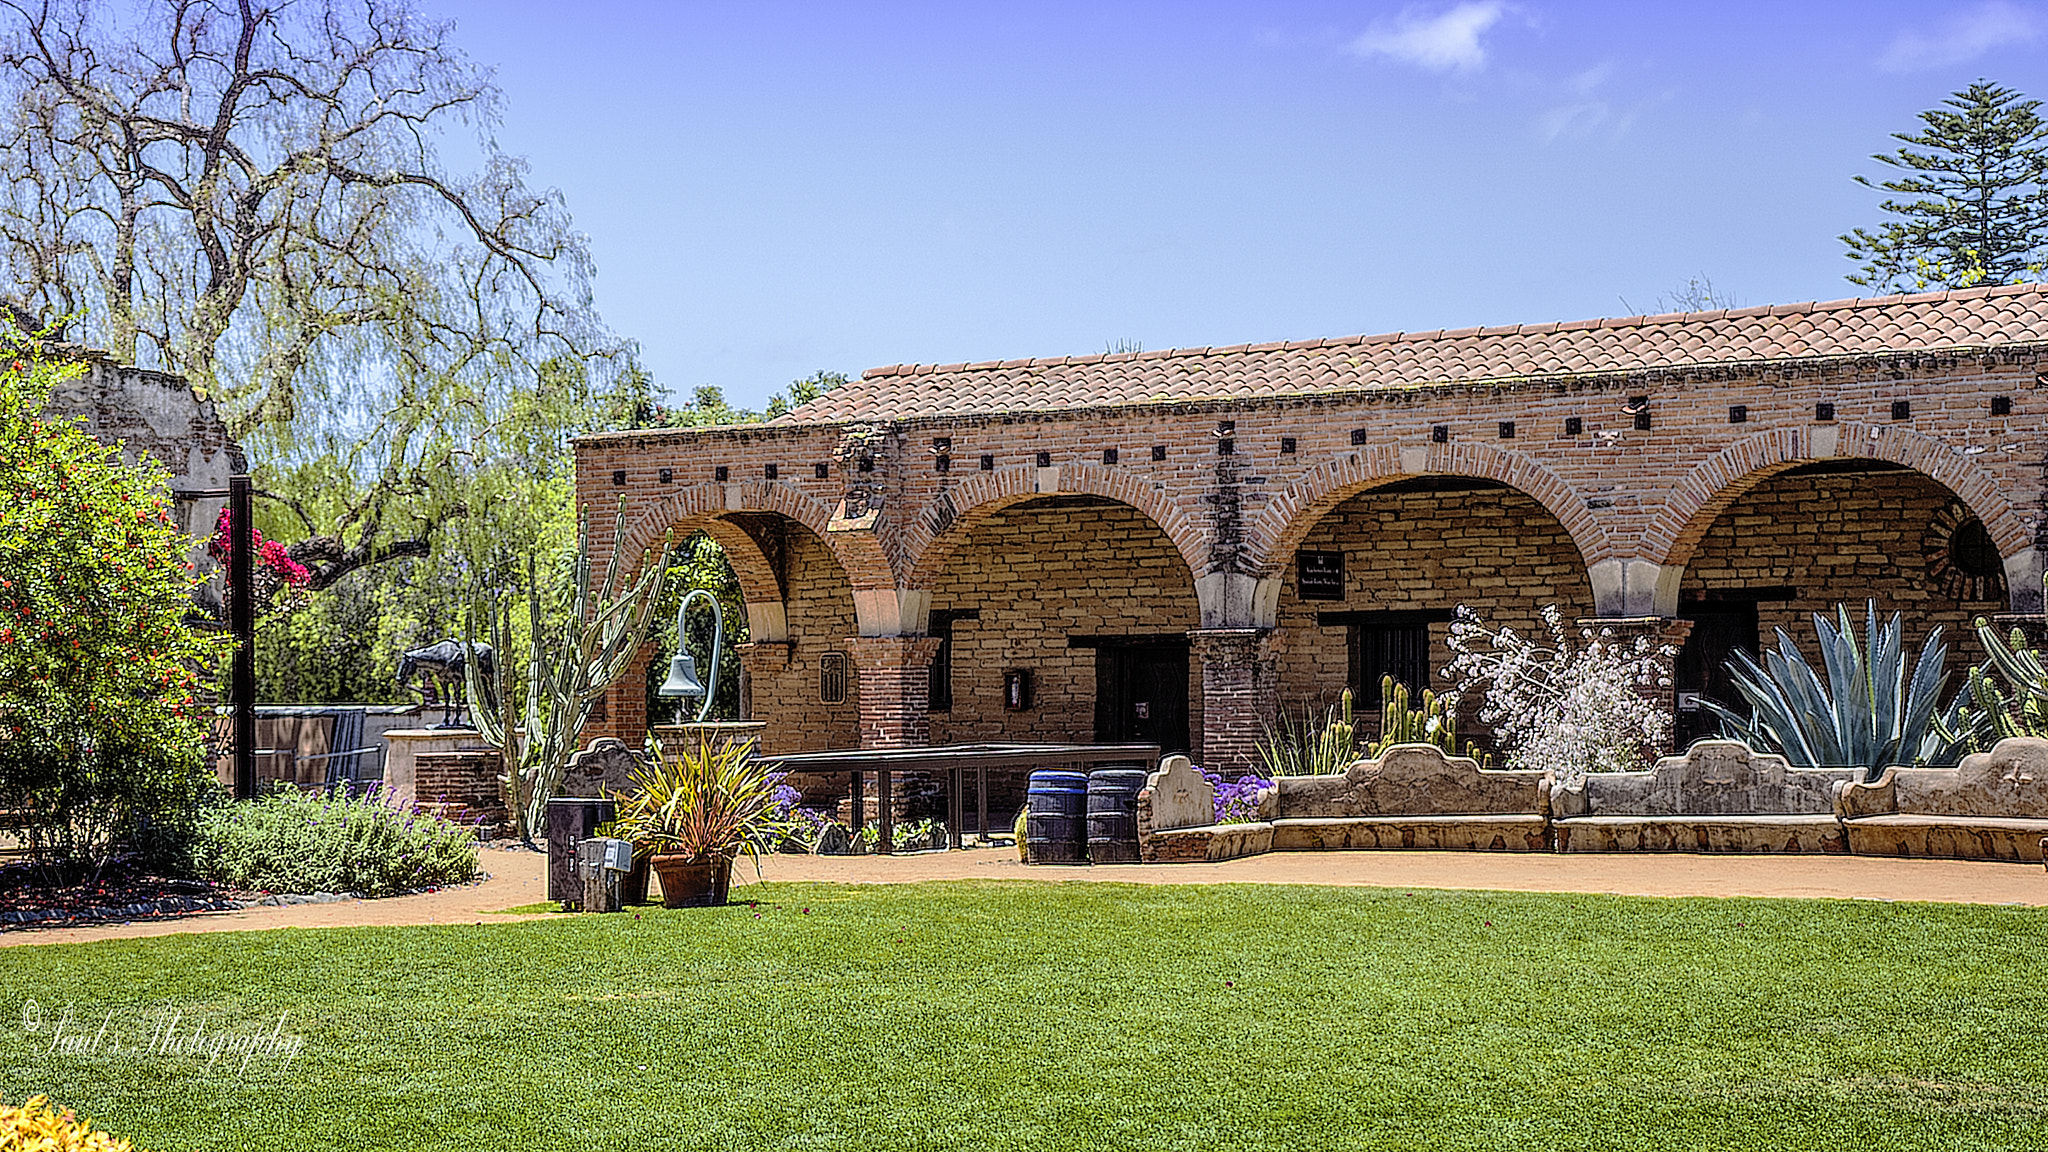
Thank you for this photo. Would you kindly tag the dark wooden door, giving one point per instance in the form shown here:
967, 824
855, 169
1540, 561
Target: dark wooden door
1141, 695
1718, 631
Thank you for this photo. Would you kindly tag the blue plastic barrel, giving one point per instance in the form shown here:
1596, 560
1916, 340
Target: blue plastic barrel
1113, 814
1056, 817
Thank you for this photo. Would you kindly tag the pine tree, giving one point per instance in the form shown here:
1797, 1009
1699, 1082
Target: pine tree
1973, 198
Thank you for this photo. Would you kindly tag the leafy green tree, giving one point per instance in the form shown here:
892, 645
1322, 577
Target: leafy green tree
255, 196
698, 562
100, 734
801, 392
1972, 203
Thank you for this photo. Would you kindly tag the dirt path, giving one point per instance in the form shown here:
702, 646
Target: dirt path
520, 878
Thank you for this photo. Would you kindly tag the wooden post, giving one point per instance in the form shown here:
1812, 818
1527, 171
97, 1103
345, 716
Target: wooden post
601, 891
981, 800
886, 818
956, 806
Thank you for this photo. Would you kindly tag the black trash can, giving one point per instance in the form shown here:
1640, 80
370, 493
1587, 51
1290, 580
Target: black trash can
1056, 817
571, 819
1113, 814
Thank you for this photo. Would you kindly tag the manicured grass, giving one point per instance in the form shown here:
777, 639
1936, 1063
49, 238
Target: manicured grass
1083, 1016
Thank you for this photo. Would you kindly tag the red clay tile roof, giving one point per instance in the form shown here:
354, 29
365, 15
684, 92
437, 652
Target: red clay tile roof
1971, 318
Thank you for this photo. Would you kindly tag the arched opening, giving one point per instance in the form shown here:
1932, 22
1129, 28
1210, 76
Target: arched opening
1064, 618
1372, 586
1802, 538
798, 604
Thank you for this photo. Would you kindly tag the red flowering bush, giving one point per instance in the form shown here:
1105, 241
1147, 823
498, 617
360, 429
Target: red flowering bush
100, 738
277, 581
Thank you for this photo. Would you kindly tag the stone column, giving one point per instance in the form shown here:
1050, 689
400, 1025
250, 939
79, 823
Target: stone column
1621, 632
895, 688
1238, 702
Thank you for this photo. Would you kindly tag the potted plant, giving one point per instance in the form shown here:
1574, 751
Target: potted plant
696, 810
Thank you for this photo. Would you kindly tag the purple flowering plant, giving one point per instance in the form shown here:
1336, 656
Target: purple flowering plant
1237, 801
802, 824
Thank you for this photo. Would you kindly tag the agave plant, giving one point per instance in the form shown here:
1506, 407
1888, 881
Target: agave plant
704, 801
1863, 710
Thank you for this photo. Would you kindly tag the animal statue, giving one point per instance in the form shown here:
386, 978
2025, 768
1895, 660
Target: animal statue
444, 685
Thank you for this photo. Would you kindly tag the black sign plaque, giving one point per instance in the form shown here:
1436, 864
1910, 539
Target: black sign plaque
1319, 575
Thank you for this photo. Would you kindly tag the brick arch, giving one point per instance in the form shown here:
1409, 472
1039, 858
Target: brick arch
759, 582
1293, 512
860, 556
936, 532
1717, 483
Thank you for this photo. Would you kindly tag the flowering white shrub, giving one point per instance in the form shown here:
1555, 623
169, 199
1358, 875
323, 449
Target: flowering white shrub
1567, 708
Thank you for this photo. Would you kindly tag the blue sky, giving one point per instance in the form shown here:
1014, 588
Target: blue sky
776, 188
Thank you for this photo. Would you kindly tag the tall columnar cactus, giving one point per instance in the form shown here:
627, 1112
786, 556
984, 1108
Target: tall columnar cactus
1436, 722
1984, 713
568, 670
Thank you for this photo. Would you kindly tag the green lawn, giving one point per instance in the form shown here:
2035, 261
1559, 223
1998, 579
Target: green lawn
1079, 1017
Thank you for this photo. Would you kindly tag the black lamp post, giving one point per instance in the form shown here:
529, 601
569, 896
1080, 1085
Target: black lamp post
242, 623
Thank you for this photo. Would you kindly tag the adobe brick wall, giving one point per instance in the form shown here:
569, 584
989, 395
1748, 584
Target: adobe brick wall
1039, 576
1838, 538
1497, 551
1626, 508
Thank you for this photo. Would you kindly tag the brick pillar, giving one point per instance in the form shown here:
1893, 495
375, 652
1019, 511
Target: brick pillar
622, 713
1238, 701
761, 659
895, 688
763, 662
1621, 632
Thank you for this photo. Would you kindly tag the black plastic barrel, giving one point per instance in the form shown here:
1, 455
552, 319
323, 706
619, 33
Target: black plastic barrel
1113, 814
1056, 817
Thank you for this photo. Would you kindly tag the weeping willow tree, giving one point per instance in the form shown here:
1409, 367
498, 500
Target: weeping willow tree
251, 194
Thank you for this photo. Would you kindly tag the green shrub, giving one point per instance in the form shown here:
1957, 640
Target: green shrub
292, 841
100, 737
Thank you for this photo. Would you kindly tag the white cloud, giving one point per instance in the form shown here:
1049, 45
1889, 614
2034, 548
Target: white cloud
1446, 42
1970, 34
1572, 119
1588, 107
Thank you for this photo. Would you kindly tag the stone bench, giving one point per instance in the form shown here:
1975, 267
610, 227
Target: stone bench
1992, 806
1718, 797
1176, 814
1413, 796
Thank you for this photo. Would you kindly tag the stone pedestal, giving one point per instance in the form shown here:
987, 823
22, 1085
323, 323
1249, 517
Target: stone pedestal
465, 787
402, 747
716, 733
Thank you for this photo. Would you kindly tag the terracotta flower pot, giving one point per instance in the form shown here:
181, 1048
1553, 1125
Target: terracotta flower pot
691, 883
